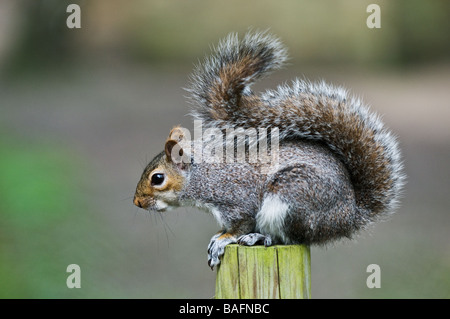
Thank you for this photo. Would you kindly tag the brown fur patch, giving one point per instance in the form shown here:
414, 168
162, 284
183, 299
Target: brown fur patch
225, 236
230, 86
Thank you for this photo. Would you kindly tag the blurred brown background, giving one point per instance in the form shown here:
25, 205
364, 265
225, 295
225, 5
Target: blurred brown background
83, 110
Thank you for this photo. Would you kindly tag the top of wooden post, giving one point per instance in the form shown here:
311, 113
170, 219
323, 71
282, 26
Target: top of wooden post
258, 272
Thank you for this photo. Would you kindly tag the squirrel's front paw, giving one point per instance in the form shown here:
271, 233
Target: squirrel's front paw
216, 247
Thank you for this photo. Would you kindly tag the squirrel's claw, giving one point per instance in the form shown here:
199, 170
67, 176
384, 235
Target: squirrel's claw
254, 238
216, 247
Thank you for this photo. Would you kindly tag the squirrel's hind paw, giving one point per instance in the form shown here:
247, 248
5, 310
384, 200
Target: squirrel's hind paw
254, 238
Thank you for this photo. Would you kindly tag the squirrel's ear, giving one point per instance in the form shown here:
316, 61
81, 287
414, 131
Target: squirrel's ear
174, 153
171, 150
177, 134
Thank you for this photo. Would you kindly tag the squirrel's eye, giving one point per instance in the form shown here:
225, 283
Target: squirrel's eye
157, 179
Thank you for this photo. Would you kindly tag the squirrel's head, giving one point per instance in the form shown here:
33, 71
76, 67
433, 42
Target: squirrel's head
163, 178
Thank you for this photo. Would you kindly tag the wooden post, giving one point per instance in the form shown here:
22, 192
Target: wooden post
258, 272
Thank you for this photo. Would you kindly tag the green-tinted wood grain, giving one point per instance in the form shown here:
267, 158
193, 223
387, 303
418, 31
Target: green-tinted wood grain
258, 272
227, 280
264, 272
294, 267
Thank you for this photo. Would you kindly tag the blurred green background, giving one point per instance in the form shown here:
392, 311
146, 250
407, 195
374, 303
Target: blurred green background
83, 110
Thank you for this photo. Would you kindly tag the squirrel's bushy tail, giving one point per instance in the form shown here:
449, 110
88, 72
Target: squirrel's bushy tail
316, 111
218, 83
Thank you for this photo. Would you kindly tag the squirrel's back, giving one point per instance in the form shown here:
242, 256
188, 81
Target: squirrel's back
220, 89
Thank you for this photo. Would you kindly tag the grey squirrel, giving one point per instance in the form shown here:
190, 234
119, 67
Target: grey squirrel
338, 169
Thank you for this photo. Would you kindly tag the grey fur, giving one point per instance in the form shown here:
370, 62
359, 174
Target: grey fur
339, 167
324, 98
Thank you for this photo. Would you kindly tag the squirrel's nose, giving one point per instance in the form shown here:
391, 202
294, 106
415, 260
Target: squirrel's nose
137, 202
